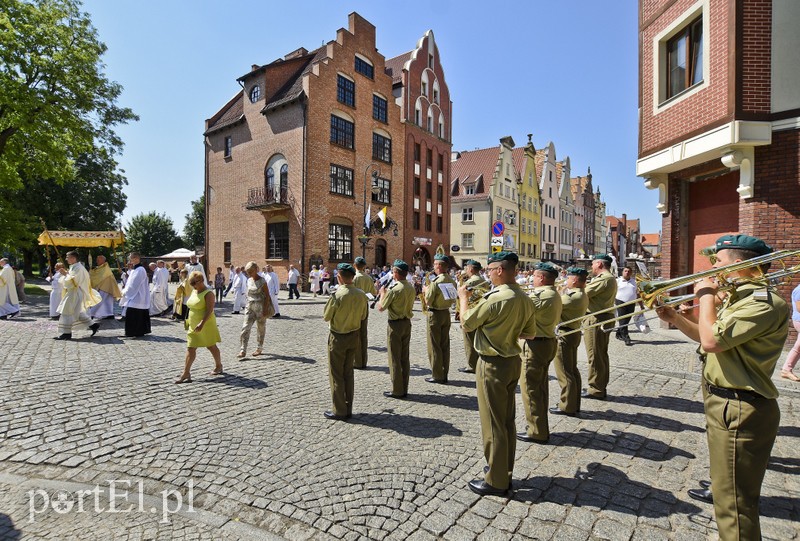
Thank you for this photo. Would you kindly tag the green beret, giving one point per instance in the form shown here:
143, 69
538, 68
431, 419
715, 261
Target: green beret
577, 271
546, 267
345, 267
360, 261
604, 257
504, 256
473, 263
743, 242
400, 264
440, 257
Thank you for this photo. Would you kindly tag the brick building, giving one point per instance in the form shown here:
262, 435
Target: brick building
313, 144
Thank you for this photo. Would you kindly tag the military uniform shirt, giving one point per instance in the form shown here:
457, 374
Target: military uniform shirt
602, 291
399, 300
573, 305
364, 283
499, 318
753, 326
345, 309
435, 298
548, 310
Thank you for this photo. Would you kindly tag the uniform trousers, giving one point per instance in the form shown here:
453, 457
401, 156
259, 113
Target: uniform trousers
469, 349
341, 356
496, 381
361, 354
398, 335
569, 377
67, 323
740, 438
597, 351
439, 343
253, 315
534, 385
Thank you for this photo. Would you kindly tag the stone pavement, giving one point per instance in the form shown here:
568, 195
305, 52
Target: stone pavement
251, 457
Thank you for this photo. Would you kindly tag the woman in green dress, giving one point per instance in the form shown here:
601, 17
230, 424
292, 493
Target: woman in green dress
201, 325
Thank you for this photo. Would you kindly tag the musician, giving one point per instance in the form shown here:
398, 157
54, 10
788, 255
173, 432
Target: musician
474, 280
601, 292
438, 321
364, 282
499, 320
345, 310
398, 299
538, 352
574, 303
742, 339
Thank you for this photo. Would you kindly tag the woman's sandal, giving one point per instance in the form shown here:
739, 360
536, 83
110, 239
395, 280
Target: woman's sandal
215, 373
183, 380
785, 374
257, 352
241, 355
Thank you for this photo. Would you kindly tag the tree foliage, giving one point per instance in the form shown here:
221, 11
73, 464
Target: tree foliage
56, 104
151, 234
194, 232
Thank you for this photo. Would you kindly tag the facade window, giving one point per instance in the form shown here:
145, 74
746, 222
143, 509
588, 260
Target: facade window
430, 158
342, 132
428, 222
346, 91
379, 108
430, 123
341, 180
466, 214
418, 117
685, 58
428, 190
226, 252
441, 162
416, 220
523, 224
430, 61
467, 240
439, 193
270, 178
381, 148
384, 194
441, 130
364, 68
469, 189
438, 224
340, 242
228, 146
255, 93
435, 95
416, 185
417, 152
284, 176
278, 240
425, 88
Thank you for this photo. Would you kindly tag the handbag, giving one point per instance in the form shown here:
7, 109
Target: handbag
641, 323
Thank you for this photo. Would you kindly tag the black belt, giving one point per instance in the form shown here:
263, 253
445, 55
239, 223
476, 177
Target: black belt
734, 394
543, 338
439, 309
400, 319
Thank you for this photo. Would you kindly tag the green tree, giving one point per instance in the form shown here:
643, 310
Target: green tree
194, 232
151, 234
56, 103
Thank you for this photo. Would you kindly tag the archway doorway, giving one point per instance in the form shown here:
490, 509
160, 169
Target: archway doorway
422, 258
380, 253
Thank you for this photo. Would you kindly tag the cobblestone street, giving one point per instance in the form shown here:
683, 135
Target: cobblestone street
252, 457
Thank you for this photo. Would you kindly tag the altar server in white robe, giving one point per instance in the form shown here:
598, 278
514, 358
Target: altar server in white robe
9, 301
239, 291
78, 298
159, 292
103, 281
193, 266
57, 291
274, 287
136, 299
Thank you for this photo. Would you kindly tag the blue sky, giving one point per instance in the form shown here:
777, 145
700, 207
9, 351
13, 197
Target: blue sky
565, 71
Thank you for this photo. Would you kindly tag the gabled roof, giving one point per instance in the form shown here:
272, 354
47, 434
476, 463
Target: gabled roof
293, 88
518, 157
633, 225
475, 165
394, 66
650, 239
541, 154
230, 114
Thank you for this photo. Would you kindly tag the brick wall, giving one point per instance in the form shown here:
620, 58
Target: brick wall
756, 54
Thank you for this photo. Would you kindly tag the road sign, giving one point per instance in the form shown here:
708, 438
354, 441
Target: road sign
497, 249
497, 228
497, 241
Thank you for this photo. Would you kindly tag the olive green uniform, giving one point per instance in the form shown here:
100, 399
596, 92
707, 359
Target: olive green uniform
344, 311
573, 305
367, 285
742, 414
469, 336
439, 327
602, 291
498, 320
399, 303
536, 356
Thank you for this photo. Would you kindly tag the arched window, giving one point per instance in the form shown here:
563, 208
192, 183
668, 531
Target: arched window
269, 178
418, 112
441, 125
284, 176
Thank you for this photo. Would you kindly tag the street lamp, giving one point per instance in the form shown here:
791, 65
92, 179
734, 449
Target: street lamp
375, 189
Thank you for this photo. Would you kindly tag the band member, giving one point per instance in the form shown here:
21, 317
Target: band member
474, 280
742, 339
365, 283
537, 354
398, 299
439, 321
574, 303
601, 292
344, 312
499, 320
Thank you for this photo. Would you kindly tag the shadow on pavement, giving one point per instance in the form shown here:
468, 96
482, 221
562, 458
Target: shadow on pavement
787, 465
413, 371
604, 487
407, 425
383, 349
236, 381
624, 443
7, 529
660, 402
274, 357
789, 431
779, 507
643, 419
449, 400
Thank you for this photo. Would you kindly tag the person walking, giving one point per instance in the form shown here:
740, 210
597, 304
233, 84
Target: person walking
57, 291
398, 299
601, 292
219, 285
794, 354
9, 301
325, 281
201, 326
626, 294
239, 290
313, 280
258, 310
78, 298
292, 281
136, 299
274, 286
499, 319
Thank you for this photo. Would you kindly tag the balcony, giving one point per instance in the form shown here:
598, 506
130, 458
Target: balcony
267, 198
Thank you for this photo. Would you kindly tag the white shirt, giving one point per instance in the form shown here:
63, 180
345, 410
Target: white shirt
136, 293
294, 274
626, 289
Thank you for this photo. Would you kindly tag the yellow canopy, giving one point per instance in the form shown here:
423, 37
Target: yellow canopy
82, 239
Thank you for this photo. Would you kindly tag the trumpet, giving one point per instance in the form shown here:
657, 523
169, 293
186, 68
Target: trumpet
653, 293
477, 291
387, 281
425, 283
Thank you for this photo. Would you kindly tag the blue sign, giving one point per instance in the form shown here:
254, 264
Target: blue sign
498, 228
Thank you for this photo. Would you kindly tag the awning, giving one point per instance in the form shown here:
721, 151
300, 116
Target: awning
82, 239
180, 253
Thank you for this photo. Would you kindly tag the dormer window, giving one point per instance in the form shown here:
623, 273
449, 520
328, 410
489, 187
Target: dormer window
255, 93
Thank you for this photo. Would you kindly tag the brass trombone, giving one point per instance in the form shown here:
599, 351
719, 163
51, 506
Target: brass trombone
653, 293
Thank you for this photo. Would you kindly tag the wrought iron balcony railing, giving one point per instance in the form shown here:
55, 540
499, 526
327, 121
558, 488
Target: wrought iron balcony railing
262, 198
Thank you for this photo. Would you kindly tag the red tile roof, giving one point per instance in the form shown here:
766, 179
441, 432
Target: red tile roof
394, 66
650, 239
518, 157
231, 113
474, 164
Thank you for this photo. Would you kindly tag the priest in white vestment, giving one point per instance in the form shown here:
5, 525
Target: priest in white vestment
193, 266
57, 291
78, 298
9, 301
106, 285
159, 298
274, 287
136, 299
239, 291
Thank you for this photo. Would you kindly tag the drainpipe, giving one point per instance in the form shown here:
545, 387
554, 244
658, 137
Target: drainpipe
304, 107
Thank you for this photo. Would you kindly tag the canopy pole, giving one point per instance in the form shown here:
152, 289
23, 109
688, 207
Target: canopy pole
58, 254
